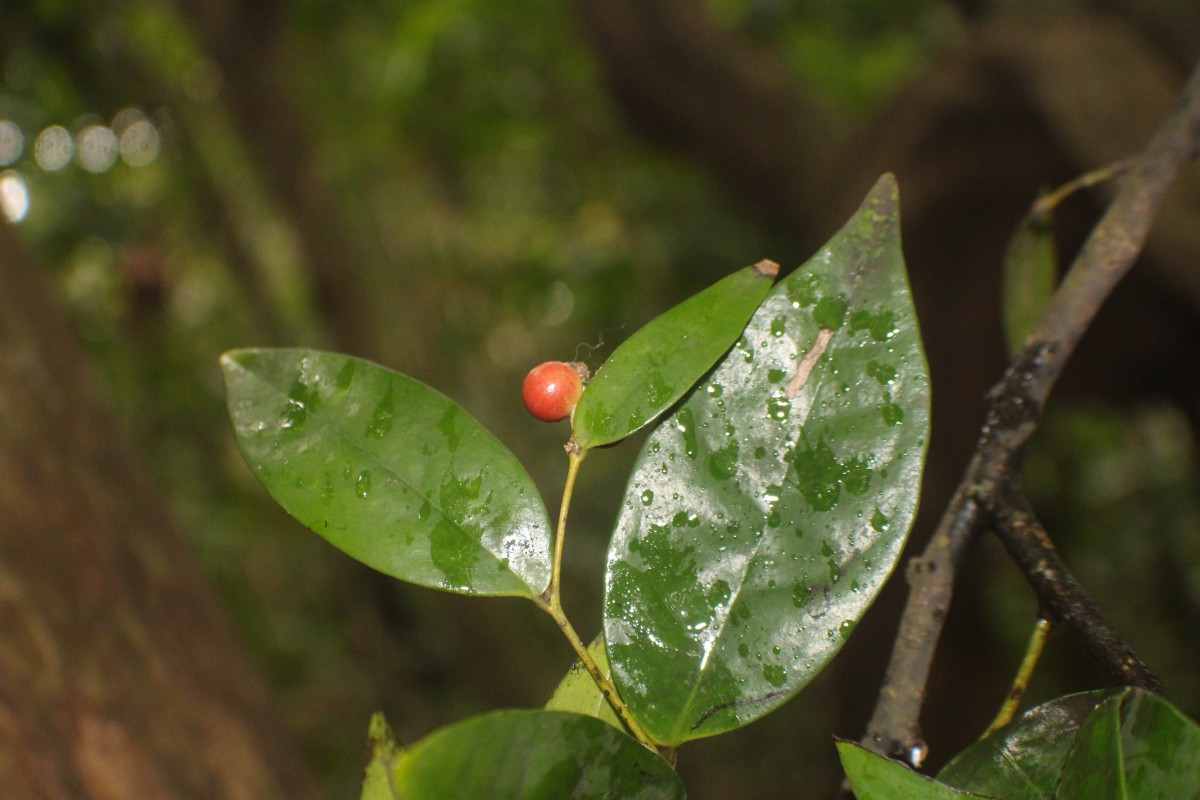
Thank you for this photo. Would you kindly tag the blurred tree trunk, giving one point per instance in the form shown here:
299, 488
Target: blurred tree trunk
119, 676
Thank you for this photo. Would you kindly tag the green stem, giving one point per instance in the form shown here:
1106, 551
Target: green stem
1033, 652
1048, 202
551, 602
602, 682
575, 457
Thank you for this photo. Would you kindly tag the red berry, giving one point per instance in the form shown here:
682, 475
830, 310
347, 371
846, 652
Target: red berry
551, 390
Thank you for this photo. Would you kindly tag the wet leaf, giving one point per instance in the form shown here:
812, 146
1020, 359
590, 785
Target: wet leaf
874, 777
526, 755
578, 693
766, 512
1133, 745
653, 368
389, 471
1024, 759
1030, 277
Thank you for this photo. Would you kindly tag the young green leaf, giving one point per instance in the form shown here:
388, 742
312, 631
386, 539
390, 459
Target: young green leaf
1133, 745
873, 777
1024, 759
766, 512
579, 694
383, 752
655, 366
1030, 277
526, 755
389, 471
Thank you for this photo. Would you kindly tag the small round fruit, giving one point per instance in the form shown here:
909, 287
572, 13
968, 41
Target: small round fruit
551, 390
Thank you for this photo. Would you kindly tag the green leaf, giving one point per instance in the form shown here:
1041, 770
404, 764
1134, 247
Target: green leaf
1030, 277
766, 512
1134, 745
389, 471
874, 777
526, 755
1024, 759
579, 694
383, 752
653, 368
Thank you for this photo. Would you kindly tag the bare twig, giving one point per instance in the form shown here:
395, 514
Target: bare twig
984, 496
1028, 543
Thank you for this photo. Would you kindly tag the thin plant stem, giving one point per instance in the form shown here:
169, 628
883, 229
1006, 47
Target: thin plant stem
1048, 202
575, 457
1033, 653
551, 602
602, 682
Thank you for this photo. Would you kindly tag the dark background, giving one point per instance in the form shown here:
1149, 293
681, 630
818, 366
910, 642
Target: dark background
462, 189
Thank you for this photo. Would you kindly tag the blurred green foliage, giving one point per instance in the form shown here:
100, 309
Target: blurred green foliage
500, 213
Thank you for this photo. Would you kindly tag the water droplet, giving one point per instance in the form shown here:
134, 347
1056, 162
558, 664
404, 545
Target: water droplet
846, 628
345, 376
892, 414
383, 416
362, 487
686, 425
776, 375
424, 511
884, 373
293, 416
715, 390
647, 497
774, 674
830, 312
878, 521
778, 408
744, 650
881, 326
778, 326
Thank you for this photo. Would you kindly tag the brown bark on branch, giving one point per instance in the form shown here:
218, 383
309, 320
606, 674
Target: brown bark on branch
1014, 408
120, 678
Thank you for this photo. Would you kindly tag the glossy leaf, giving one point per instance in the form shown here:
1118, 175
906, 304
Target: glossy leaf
874, 777
389, 471
767, 511
1024, 759
1133, 745
1030, 277
578, 693
523, 755
653, 368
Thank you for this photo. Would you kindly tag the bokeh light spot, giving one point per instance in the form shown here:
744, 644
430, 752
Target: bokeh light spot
98, 148
14, 196
12, 142
53, 148
140, 143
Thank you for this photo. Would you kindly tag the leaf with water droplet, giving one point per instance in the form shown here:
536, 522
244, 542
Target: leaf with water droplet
578, 692
798, 506
389, 471
1024, 759
653, 368
521, 755
1117, 743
